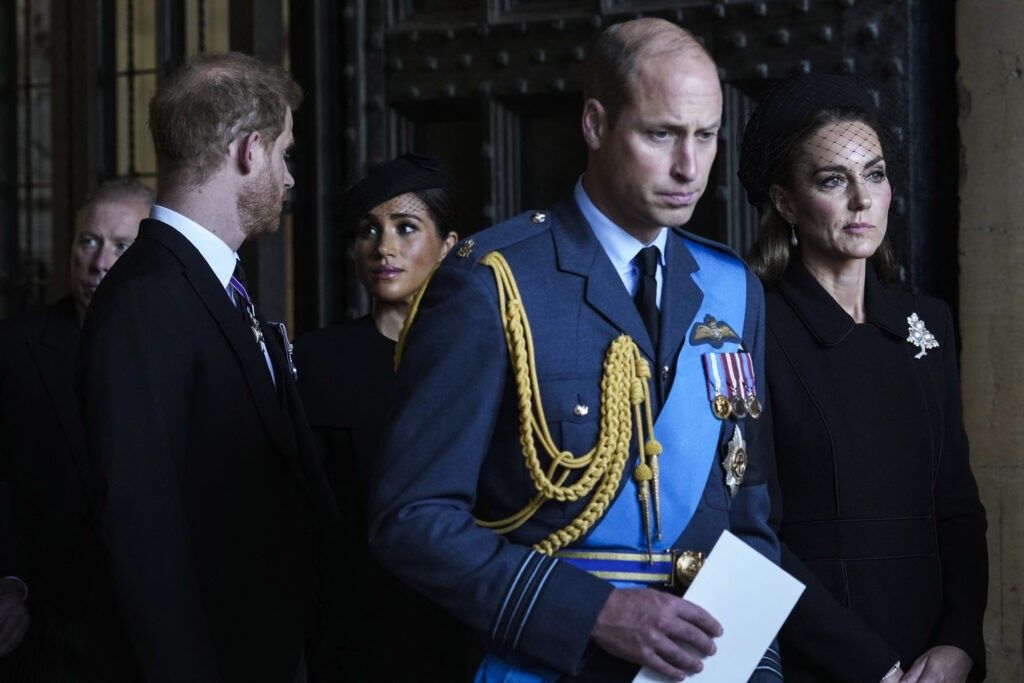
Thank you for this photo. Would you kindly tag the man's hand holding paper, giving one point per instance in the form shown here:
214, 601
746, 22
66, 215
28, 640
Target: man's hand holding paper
750, 597
658, 630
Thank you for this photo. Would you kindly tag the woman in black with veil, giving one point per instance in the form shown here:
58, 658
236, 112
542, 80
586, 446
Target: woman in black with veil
875, 503
401, 220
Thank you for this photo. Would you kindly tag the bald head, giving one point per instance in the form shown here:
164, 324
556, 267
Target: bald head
621, 50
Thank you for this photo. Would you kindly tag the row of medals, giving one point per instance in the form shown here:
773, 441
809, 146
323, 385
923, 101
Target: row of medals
737, 407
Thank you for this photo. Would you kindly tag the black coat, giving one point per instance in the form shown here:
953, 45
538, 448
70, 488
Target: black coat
878, 511
46, 536
391, 632
214, 511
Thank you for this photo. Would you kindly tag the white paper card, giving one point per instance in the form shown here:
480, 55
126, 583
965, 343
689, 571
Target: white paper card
750, 597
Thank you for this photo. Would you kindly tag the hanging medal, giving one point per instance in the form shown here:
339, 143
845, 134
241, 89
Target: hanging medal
737, 394
720, 405
735, 461
257, 331
250, 312
750, 385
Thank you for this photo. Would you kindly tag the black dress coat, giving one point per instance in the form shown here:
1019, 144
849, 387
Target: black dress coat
213, 507
46, 535
391, 632
877, 510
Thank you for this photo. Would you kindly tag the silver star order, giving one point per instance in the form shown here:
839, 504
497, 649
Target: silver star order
920, 336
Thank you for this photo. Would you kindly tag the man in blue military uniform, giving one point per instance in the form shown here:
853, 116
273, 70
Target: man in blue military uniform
577, 397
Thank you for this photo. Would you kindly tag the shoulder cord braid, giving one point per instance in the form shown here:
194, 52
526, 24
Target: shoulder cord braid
625, 401
414, 306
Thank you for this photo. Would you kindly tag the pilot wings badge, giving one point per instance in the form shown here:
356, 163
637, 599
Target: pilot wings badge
712, 332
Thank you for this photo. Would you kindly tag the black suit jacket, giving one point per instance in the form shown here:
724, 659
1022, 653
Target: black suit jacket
216, 515
44, 509
46, 534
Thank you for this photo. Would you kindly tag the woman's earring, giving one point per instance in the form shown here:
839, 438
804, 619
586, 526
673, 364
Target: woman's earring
792, 235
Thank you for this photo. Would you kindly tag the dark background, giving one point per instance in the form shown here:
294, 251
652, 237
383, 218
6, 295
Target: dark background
493, 88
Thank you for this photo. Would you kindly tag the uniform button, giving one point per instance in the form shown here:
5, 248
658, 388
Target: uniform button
664, 373
539, 217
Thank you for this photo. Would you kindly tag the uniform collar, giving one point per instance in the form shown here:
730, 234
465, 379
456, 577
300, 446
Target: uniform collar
823, 315
620, 246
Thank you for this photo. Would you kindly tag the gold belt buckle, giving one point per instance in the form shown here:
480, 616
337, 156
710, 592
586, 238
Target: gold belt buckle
685, 566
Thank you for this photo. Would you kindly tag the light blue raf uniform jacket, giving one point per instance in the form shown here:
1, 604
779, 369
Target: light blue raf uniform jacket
452, 453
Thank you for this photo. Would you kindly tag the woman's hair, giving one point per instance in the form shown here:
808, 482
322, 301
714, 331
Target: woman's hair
440, 202
771, 253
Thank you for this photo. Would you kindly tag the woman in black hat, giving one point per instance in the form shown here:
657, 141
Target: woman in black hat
876, 506
402, 220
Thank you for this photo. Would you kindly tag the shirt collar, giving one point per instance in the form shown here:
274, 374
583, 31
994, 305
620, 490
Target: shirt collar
620, 246
214, 250
823, 315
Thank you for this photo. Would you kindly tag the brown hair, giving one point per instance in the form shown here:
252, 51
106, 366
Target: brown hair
208, 102
771, 253
616, 55
115, 190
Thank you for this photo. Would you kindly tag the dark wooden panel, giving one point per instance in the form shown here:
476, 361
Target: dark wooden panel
453, 133
434, 12
553, 152
540, 10
84, 115
318, 164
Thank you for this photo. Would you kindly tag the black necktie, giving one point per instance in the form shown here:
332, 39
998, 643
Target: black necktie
646, 297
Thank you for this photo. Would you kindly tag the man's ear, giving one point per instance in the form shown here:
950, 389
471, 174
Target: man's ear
595, 124
782, 203
248, 146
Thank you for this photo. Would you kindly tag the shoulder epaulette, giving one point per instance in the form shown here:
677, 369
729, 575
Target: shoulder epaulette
468, 252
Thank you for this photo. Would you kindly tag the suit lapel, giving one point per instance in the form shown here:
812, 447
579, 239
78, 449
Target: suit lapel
239, 336
680, 298
579, 252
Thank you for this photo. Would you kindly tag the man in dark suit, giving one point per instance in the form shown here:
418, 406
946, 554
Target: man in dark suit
541, 524
45, 527
214, 512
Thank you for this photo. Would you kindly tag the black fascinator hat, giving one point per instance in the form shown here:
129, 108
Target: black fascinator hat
788, 108
409, 172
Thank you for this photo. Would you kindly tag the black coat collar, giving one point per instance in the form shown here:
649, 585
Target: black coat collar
825, 318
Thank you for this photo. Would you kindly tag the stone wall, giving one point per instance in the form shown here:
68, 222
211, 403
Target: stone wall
990, 46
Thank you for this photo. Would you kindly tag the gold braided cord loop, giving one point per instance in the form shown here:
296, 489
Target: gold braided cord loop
414, 306
624, 392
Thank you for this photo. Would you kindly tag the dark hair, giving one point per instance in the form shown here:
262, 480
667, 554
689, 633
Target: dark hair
209, 101
770, 255
441, 204
617, 52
